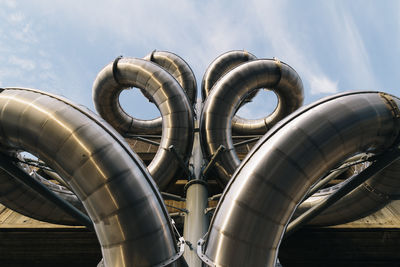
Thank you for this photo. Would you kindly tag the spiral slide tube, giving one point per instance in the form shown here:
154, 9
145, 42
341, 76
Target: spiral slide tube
371, 196
220, 66
287, 103
257, 204
179, 69
171, 100
227, 94
20, 197
130, 219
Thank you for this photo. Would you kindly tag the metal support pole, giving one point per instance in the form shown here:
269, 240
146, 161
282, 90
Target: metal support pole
380, 163
196, 223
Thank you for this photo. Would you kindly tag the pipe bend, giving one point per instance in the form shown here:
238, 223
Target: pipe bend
23, 199
179, 69
277, 173
220, 66
130, 219
369, 197
170, 99
228, 93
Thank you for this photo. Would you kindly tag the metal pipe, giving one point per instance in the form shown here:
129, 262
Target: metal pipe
122, 200
381, 163
17, 173
228, 62
196, 221
229, 91
222, 65
22, 198
178, 68
257, 204
170, 99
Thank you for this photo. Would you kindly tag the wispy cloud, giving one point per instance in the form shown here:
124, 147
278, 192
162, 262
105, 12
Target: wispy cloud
284, 44
25, 64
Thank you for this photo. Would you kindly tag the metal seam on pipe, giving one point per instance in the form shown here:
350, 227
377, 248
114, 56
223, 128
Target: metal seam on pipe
367, 126
71, 158
171, 100
227, 93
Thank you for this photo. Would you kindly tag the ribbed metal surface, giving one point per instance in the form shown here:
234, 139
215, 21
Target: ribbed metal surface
130, 219
227, 94
171, 100
258, 202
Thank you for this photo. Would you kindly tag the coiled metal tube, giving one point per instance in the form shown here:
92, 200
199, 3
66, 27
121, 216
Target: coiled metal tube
130, 219
257, 204
227, 94
171, 100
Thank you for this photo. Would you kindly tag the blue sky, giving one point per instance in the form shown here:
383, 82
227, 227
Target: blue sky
335, 46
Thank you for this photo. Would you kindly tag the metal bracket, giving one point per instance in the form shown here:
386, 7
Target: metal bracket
213, 160
172, 149
181, 245
245, 142
200, 253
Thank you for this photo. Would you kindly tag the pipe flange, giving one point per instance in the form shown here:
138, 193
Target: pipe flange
192, 182
176, 257
201, 255
394, 109
115, 70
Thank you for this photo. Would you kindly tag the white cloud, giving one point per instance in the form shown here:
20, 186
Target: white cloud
22, 63
323, 85
16, 17
9, 3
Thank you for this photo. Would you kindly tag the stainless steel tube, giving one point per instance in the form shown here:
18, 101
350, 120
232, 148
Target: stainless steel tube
130, 219
21, 198
286, 102
179, 69
222, 65
171, 100
227, 94
366, 199
257, 204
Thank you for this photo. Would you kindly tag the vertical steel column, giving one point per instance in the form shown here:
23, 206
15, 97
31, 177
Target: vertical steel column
196, 223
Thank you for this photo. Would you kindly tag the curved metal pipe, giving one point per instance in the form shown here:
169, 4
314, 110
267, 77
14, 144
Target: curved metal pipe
171, 100
227, 62
130, 219
257, 204
222, 65
227, 94
22, 198
371, 196
178, 68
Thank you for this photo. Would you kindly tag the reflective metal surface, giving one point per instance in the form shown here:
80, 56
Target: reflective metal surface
289, 99
171, 100
21, 198
178, 68
274, 177
130, 219
366, 199
226, 96
220, 66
